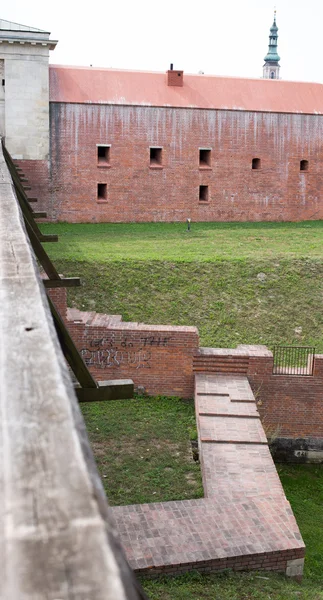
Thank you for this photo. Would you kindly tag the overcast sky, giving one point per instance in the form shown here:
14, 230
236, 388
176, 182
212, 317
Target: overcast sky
219, 38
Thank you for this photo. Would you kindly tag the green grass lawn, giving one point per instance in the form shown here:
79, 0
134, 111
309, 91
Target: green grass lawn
232, 586
149, 440
171, 242
210, 277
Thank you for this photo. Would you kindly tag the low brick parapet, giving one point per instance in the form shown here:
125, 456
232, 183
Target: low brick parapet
244, 522
162, 360
158, 358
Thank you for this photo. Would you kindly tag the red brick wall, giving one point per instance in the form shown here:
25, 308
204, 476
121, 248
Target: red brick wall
164, 360
266, 561
158, 359
37, 173
137, 192
289, 406
59, 297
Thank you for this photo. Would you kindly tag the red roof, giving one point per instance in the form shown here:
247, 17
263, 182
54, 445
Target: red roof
88, 85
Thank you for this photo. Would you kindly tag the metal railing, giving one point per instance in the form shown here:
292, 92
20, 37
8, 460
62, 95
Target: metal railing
293, 360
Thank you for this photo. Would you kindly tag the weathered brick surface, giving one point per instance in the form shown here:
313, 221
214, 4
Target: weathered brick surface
245, 521
290, 406
138, 192
164, 359
158, 358
59, 297
37, 173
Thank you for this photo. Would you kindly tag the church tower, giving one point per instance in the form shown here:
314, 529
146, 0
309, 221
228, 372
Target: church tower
272, 66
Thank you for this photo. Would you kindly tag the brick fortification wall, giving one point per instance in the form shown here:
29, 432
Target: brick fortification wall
37, 173
59, 297
138, 191
163, 360
290, 406
159, 359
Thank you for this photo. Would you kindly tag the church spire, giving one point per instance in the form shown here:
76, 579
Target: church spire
272, 66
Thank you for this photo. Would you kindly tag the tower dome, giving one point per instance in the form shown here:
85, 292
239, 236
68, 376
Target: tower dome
271, 67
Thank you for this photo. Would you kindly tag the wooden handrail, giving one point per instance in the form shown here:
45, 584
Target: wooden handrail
57, 537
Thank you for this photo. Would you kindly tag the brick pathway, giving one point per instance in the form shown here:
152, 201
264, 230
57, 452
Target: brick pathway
244, 521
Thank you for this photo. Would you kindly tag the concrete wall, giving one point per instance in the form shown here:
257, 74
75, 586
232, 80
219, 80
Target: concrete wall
26, 100
138, 191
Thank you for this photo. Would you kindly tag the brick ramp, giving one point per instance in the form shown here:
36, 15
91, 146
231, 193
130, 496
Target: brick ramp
244, 521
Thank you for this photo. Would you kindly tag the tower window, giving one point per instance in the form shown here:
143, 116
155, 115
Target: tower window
303, 165
272, 75
204, 193
256, 163
103, 154
156, 156
205, 157
102, 191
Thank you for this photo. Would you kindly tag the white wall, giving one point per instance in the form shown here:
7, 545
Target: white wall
2, 114
26, 119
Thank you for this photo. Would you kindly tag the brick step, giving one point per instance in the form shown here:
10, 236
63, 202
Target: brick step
207, 371
220, 364
244, 359
218, 368
240, 363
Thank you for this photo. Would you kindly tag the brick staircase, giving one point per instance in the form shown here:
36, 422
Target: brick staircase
214, 360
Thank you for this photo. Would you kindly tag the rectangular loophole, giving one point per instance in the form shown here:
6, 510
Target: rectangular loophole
256, 163
303, 165
205, 157
156, 156
102, 191
103, 154
204, 193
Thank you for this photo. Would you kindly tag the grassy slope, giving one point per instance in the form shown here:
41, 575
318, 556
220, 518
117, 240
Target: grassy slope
159, 273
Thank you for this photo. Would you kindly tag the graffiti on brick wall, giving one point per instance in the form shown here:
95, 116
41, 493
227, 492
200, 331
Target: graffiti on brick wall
108, 351
113, 357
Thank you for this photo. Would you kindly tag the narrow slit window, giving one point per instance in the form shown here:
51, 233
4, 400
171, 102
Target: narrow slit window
303, 165
103, 155
256, 163
102, 191
156, 156
204, 193
205, 157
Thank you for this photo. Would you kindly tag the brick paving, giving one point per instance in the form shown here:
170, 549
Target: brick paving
244, 521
